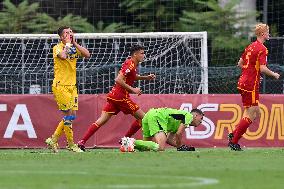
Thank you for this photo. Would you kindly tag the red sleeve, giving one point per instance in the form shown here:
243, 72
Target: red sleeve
262, 58
126, 68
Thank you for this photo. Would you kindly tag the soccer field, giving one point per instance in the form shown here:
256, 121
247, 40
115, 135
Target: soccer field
108, 168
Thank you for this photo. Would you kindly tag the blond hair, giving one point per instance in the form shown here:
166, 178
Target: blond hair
260, 29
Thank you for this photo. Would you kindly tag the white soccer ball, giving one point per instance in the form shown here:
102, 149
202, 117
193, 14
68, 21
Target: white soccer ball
127, 144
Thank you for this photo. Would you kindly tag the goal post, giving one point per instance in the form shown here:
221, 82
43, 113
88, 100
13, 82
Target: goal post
179, 60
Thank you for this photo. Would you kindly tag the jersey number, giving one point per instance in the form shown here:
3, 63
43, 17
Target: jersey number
247, 58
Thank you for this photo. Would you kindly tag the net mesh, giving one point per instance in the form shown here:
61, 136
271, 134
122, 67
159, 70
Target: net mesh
177, 59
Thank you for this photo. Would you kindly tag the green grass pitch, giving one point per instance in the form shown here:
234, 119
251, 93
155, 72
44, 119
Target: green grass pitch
255, 168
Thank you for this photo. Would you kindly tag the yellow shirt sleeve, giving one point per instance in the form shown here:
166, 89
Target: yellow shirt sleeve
56, 51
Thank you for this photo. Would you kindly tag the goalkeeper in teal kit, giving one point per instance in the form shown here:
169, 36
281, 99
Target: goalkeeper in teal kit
164, 126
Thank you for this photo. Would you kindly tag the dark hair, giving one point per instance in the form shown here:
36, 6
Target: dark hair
135, 48
197, 111
60, 30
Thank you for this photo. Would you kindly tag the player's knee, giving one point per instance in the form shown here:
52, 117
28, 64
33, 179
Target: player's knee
255, 113
69, 119
161, 147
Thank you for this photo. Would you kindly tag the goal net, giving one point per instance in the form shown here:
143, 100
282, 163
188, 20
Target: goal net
179, 61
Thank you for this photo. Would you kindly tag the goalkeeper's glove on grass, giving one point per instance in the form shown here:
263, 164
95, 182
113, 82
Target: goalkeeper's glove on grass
185, 148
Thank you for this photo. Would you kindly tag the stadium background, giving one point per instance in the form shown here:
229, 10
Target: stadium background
27, 120
23, 64
226, 37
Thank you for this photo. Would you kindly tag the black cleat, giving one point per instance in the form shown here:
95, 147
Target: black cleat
230, 137
185, 148
81, 145
235, 147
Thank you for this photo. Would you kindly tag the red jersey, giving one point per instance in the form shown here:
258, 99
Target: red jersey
129, 70
254, 55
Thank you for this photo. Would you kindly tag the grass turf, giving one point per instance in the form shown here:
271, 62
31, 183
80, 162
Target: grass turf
258, 168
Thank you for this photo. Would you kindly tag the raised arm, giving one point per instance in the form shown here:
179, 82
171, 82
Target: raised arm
63, 54
85, 53
83, 50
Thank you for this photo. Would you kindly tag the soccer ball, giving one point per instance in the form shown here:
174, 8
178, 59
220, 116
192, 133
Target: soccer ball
128, 149
127, 144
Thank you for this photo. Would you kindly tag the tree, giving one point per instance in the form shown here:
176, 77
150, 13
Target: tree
25, 18
155, 15
15, 19
227, 37
101, 27
43, 23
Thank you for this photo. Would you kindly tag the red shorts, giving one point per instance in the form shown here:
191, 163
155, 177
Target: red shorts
127, 106
249, 98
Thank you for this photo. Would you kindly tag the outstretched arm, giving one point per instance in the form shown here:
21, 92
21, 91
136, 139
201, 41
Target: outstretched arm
146, 77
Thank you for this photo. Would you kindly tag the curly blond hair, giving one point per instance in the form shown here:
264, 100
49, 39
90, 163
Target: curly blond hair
260, 29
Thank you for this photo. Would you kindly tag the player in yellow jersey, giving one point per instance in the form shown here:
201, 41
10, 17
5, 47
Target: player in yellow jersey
65, 55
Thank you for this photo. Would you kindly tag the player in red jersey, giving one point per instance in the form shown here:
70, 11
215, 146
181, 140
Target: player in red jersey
118, 98
252, 62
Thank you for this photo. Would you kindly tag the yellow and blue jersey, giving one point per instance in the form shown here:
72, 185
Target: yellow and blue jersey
65, 70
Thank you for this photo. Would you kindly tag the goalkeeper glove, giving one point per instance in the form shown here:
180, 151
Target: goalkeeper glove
185, 148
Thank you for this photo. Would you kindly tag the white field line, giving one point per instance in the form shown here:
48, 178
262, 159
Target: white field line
185, 181
181, 181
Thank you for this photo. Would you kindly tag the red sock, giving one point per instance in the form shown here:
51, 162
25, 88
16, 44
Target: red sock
91, 130
241, 129
136, 125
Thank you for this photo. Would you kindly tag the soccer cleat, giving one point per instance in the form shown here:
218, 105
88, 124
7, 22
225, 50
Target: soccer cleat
230, 137
74, 148
52, 144
81, 145
68, 147
235, 147
185, 148
127, 144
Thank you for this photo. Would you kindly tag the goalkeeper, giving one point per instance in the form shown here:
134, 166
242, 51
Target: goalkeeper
165, 126
65, 55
